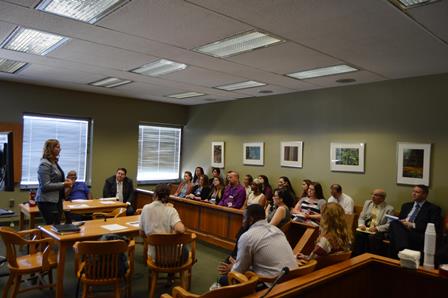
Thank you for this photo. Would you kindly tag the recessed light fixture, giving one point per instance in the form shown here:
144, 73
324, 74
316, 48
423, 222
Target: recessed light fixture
405, 4
345, 81
265, 91
159, 67
238, 44
32, 41
11, 66
185, 95
110, 82
89, 11
320, 72
241, 85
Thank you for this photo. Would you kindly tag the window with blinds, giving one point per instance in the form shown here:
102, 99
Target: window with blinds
158, 153
73, 136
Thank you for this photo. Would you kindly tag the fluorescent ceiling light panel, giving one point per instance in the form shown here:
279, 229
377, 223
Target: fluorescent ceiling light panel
412, 3
159, 67
238, 44
33, 41
88, 11
241, 85
11, 66
110, 82
320, 72
186, 95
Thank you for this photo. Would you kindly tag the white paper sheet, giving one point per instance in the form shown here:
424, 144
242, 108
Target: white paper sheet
107, 202
135, 224
78, 206
79, 201
114, 227
108, 199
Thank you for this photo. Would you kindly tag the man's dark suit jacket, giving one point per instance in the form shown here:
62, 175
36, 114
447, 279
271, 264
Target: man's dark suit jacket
428, 213
110, 189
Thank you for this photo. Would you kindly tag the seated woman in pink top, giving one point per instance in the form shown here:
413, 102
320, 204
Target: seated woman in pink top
185, 186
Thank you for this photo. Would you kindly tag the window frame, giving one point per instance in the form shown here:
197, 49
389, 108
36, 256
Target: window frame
155, 182
89, 152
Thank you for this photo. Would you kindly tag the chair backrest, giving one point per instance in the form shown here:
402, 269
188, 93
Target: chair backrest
236, 290
117, 212
100, 259
169, 248
302, 270
331, 259
30, 239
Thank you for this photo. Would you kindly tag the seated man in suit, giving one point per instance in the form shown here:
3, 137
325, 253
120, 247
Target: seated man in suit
409, 230
372, 224
122, 188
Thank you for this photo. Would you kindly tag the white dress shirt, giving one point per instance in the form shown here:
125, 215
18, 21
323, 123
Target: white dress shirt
345, 201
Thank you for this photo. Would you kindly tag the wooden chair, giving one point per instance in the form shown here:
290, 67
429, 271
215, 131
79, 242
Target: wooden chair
302, 270
331, 259
97, 263
41, 259
118, 212
241, 285
168, 257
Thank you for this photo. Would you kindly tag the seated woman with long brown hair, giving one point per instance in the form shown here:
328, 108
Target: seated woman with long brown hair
334, 234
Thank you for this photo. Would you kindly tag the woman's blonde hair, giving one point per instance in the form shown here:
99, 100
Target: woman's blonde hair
48, 148
334, 227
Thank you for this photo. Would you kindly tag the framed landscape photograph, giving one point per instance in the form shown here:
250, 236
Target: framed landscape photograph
413, 162
291, 154
253, 153
217, 155
347, 157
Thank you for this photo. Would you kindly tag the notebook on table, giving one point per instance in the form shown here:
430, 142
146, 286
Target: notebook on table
65, 228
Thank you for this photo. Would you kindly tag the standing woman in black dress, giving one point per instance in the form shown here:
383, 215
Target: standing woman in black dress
52, 182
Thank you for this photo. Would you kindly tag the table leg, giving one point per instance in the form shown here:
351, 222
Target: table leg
21, 221
32, 221
60, 270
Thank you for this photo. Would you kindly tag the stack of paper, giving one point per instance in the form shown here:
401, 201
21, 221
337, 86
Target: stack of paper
409, 258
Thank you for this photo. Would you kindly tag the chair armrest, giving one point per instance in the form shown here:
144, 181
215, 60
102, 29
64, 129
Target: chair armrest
131, 254
179, 292
268, 279
138, 211
235, 278
97, 215
33, 232
166, 296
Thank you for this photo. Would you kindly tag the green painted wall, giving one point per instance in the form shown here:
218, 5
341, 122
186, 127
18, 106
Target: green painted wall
379, 114
115, 124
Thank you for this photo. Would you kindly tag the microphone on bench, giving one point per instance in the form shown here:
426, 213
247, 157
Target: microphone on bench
285, 270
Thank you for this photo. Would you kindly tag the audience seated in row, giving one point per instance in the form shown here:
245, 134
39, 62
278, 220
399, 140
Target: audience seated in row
200, 191
279, 213
308, 208
337, 196
185, 186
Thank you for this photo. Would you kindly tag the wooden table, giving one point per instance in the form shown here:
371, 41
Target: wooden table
91, 230
214, 224
301, 236
367, 276
92, 206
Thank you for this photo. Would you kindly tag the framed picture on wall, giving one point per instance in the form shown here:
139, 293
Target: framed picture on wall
291, 154
253, 153
347, 157
217, 155
413, 162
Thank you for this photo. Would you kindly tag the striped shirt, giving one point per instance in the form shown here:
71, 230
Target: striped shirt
264, 250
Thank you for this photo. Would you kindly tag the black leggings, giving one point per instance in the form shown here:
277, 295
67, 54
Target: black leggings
51, 212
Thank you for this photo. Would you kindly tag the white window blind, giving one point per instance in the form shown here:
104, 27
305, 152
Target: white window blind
72, 135
158, 153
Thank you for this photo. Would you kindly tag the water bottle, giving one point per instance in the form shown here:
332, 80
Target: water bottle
430, 245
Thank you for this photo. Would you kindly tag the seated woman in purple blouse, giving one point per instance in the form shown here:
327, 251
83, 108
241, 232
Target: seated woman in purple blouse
234, 193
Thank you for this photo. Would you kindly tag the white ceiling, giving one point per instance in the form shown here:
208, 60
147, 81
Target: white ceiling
374, 36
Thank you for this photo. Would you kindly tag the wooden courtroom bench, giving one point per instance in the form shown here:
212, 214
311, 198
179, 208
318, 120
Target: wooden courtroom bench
214, 224
367, 276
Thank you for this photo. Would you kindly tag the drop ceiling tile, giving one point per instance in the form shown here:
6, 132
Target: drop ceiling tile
360, 77
433, 17
203, 77
284, 58
44, 73
174, 22
5, 30
101, 55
